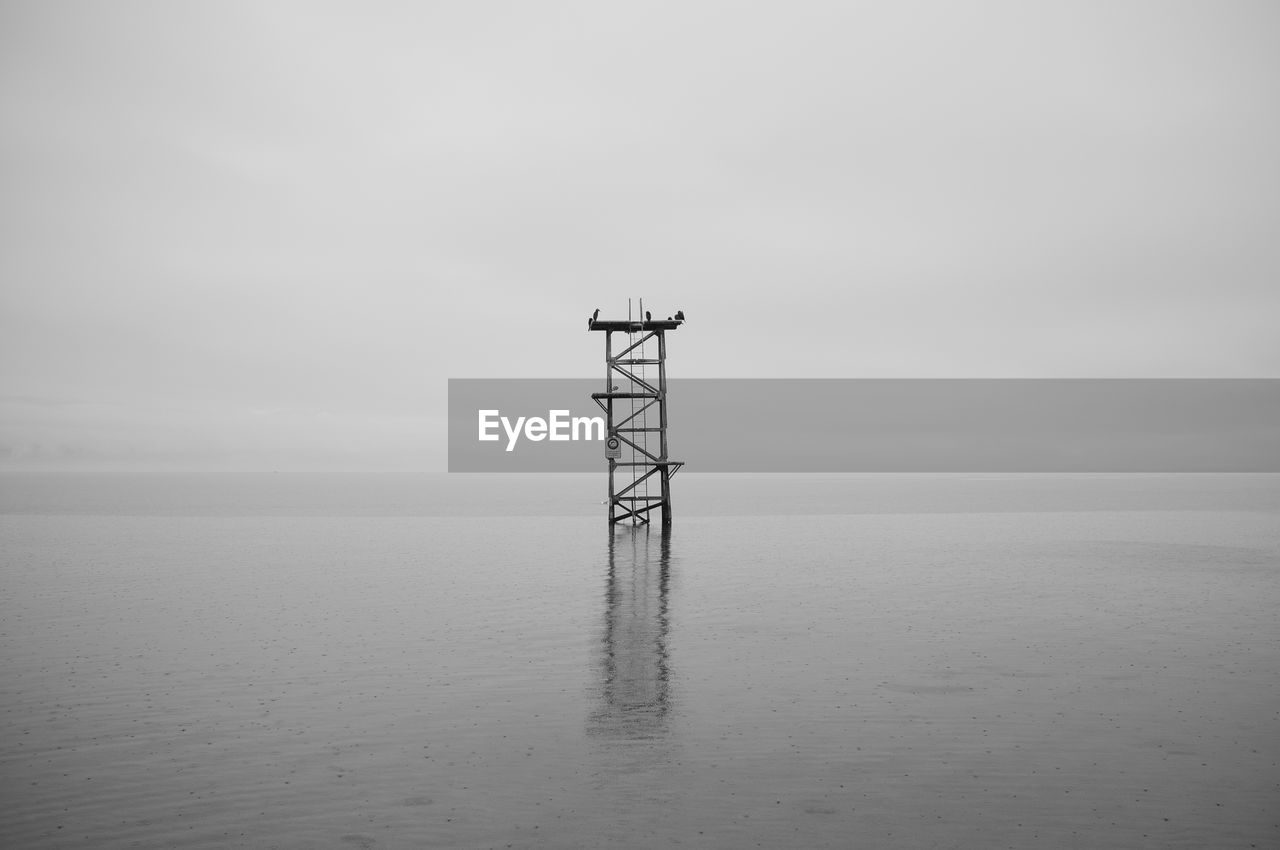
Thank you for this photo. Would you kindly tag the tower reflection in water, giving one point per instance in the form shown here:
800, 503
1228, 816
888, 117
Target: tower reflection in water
634, 666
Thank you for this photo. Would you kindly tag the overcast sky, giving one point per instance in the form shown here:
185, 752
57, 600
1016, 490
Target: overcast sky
266, 234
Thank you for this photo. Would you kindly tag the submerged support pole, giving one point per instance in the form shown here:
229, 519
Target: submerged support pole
609, 427
662, 413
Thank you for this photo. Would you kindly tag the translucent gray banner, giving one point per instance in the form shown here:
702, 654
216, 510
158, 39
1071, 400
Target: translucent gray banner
926, 425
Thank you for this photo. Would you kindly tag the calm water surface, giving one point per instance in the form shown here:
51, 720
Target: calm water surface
811, 661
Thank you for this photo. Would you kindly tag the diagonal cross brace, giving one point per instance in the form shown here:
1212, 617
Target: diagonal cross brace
648, 386
633, 346
651, 457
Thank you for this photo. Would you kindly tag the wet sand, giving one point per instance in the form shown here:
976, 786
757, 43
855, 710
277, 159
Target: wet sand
1058, 679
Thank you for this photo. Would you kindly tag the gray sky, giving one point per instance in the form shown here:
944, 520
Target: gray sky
265, 234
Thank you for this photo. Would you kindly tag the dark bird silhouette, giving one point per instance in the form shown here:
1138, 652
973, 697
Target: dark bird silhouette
679, 315
648, 316
591, 322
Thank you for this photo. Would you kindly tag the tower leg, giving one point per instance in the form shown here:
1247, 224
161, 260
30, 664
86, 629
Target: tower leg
666, 497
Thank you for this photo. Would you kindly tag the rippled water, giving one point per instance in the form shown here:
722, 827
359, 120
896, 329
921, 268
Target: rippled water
1028, 673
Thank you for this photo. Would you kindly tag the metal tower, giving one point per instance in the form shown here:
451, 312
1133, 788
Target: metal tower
635, 407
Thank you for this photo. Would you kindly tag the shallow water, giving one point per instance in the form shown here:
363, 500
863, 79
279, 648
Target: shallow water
937, 678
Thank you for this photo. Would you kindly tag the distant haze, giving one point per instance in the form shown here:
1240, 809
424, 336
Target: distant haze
266, 234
